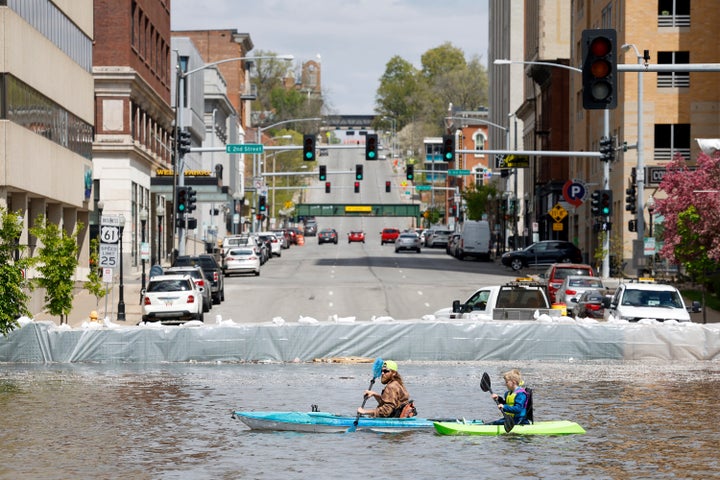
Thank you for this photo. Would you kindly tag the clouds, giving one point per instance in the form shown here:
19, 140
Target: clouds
355, 38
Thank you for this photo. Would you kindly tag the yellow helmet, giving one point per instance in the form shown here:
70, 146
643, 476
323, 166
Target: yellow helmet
94, 315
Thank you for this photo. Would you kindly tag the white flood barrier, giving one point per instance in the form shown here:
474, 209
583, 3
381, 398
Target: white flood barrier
421, 340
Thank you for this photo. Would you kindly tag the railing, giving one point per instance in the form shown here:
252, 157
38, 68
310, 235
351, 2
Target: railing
673, 21
667, 154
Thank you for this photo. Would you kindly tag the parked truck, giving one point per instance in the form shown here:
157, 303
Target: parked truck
518, 300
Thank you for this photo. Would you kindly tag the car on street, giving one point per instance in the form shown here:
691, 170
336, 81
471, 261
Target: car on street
574, 286
243, 240
389, 235
589, 305
172, 300
311, 228
439, 238
212, 270
453, 243
272, 240
356, 236
242, 260
545, 252
327, 235
408, 241
648, 300
284, 236
557, 272
200, 280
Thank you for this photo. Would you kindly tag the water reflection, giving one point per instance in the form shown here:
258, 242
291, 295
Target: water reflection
173, 421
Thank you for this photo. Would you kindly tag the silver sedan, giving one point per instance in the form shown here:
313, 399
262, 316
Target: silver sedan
408, 241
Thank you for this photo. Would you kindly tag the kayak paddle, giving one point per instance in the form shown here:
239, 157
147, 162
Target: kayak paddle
377, 371
486, 387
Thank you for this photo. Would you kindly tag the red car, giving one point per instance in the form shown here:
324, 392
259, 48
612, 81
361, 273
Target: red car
389, 235
356, 236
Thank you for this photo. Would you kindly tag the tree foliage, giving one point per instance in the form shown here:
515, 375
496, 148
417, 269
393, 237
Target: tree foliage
56, 263
13, 296
94, 282
691, 214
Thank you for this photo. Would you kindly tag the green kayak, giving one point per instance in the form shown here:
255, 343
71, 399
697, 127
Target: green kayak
554, 427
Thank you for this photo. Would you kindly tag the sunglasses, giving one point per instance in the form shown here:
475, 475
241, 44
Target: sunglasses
385, 370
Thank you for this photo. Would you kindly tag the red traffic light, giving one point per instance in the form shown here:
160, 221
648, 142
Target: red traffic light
327, 187
357, 187
387, 186
599, 69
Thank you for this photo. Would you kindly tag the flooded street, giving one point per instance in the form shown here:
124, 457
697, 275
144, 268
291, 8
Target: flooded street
173, 421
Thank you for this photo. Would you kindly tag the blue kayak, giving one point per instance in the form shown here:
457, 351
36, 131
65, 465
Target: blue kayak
324, 422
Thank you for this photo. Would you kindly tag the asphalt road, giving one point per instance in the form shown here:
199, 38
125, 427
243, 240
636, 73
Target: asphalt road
355, 280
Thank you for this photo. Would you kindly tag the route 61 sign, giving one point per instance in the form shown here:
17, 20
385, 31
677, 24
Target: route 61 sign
108, 253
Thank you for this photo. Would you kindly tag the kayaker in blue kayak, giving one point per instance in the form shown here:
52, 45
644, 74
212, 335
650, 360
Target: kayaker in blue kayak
515, 401
394, 397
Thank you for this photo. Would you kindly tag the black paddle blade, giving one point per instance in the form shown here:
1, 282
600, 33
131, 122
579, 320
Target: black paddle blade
485, 382
509, 423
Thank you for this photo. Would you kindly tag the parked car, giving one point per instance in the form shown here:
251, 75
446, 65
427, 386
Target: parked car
242, 260
264, 248
574, 286
474, 240
172, 300
294, 232
201, 281
541, 253
408, 241
284, 236
589, 305
212, 271
356, 236
557, 272
439, 238
327, 235
243, 240
648, 300
389, 235
272, 241
452, 246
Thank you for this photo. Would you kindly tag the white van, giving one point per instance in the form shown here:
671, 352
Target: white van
474, 240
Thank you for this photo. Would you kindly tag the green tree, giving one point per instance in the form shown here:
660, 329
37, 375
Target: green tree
476, 201
13, 296
57, 262
399, 90
94, 282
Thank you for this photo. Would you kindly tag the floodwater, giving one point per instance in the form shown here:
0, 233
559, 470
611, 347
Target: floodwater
643, 420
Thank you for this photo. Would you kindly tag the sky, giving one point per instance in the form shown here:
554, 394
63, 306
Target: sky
354, 38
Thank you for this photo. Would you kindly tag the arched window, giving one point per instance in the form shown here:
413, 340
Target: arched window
479, 139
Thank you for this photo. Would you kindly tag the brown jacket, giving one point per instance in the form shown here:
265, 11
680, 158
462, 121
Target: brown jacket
393, 395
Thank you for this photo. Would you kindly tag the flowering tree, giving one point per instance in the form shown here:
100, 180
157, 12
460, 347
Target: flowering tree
692, 215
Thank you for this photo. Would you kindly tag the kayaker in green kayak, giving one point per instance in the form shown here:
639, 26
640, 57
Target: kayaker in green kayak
515, 401
394, 398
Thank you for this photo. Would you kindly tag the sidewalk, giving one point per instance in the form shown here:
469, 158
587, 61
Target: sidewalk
84, 303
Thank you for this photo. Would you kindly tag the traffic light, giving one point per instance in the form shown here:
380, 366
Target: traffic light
358, 172
632, 225
191, 199
387, 186
309, 148
183, 140
410, 172
595, 202
181, 200
371, 146
606, 202
357, 187
262, 204
631, 198
323, 173
448, 148
607, 150
599, 69
327, 187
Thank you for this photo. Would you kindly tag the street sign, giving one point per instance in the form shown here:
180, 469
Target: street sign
423, 187
458, 172
108, 255
244, 148
107, 275
517, 161
558, 213
144, 251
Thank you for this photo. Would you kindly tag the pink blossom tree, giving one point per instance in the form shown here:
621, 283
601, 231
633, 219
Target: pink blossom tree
691, 226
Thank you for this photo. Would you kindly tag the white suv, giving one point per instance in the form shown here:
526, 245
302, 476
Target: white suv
172, 299
640, 300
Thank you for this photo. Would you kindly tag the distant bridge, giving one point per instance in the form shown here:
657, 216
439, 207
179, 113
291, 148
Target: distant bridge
357, 122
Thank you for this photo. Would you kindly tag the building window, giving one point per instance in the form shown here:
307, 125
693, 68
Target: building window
673, 79
479, 140
673, 13
671, 140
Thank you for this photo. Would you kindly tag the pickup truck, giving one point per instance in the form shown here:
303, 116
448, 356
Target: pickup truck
212, 270
517, 300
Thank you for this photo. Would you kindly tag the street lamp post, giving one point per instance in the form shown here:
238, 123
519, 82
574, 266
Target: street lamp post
121, 300
143, 222
160, 211
179, 175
